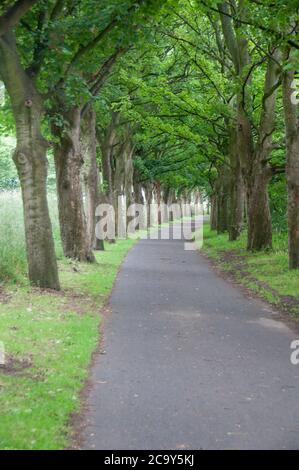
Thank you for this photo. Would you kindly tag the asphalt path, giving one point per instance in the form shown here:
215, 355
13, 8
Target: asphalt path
189, 361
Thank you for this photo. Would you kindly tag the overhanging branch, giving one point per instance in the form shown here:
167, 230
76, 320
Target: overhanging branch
13, 14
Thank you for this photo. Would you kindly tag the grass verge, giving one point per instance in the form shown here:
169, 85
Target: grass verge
264, 273
49, 339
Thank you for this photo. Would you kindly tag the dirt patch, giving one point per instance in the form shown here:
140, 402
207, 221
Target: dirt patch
14, 365
45, 291
79, 303
72, 301
290, 302
238, 268
4, 296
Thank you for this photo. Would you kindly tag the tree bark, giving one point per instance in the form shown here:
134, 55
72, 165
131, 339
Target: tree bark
107, 142
222, 190
123, 172
237, 190
213, 217
68, 163
101, 199
158, 193
90, 177
259, 217
138, 197
165, 208
292, 167
149, 196
222, 212
31, 162
257, 169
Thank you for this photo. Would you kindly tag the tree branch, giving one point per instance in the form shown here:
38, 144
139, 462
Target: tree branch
266, 29
12, 16
101, 76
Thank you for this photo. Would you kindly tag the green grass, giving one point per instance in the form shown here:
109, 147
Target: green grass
49, 339
267, 271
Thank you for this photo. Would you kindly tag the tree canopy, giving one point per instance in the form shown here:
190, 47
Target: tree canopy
182, 96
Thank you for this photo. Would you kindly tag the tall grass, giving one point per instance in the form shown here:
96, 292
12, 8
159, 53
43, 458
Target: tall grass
13, 263
12, 240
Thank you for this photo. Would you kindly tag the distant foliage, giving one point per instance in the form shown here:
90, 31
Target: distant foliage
8, 172
12, 247
278, 203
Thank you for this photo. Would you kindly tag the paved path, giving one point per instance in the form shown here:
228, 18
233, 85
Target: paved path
190, 363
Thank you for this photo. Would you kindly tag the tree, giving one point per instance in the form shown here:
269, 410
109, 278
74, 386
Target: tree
292, 154
13, 13
31, 163
90, 66
31, 76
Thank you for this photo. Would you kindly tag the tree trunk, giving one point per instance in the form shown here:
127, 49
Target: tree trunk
107, 142
290, 104
107, 172
165, 208
90, 177
122, 176
213, 219
101, 199
68, 163
259, 216
254, 159
149, 196
256, 175
236, 216
222, 212
222, 194
31, 162
138, 196
158, 192
237, 191
170, 202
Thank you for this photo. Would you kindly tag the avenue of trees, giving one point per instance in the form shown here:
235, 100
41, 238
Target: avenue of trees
163, 98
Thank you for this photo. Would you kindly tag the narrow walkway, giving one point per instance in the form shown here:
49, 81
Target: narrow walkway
190, 363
